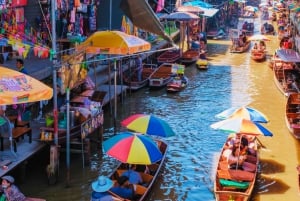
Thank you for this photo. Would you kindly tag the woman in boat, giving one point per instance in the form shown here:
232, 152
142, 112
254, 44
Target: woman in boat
10, 191
237, 159
124, 188
100, 189
133, 175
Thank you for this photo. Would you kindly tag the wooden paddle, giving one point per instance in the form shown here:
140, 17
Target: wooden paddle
260, 143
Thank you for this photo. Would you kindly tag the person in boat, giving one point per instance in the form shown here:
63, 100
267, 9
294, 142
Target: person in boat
100, 189
262, 45
202, 50
237, 159
124, 188
255, 47
10, 191
241, 41
133, 175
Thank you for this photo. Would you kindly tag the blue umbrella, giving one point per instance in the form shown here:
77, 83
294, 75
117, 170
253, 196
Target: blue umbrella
245, 113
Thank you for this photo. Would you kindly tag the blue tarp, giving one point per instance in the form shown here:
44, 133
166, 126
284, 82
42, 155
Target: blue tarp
201, 4
208, 9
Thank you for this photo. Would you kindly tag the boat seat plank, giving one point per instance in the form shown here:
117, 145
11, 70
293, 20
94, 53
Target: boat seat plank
236, 175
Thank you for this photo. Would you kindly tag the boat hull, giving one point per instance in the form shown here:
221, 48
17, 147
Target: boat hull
228, 182
170, 56
243, 49
130, 77
177, 85
258, 55
292, 115
162, 76
149, 178
190, 56
202, 64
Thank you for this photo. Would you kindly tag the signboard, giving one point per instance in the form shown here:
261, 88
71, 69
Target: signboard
91, 124
178, 69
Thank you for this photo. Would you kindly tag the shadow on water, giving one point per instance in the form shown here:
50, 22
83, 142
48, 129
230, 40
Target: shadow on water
271, 166
269, 185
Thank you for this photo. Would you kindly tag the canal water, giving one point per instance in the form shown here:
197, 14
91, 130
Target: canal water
231, 80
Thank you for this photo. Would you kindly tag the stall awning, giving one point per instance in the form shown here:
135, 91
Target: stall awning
288, 55
208, 9
209, 12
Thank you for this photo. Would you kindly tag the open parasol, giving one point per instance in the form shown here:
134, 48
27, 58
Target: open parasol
132, 148
16, 88
148, 124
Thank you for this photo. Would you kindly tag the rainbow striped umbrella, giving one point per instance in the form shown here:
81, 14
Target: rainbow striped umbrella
148, 124
245, 113
243, 126
132, 148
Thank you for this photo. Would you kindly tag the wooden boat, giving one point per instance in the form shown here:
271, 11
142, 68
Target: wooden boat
170, 56
258, 55
233, 184
202, 64
177, 84
190, 56
235, 48
162, 76
285, 72
131, 79
292, 114
148, 178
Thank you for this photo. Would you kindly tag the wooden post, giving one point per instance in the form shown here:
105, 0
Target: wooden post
87, 151
53, 167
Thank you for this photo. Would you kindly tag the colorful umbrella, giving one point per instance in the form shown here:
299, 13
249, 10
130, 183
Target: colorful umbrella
132, 148
114, 42
148, 124
245, 113
16, 88
259, 37
243, 126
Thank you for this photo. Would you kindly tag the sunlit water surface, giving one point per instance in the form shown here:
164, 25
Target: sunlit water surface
231, 80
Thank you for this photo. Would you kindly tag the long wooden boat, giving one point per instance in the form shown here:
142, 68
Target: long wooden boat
190, 56
170, 56
162, 76
177, 84
236, 49
285, 73
149, 179
292, 114
233, 184
131, 79
258, 55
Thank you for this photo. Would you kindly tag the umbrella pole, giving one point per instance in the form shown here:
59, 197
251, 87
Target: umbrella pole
68, 138
115, 94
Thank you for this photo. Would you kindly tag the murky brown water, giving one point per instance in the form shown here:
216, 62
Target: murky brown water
231, 80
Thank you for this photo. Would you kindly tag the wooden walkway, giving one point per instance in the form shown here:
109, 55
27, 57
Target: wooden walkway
25, 150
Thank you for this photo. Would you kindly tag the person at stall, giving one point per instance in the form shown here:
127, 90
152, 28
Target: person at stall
10, 191
100, 189
20, 66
